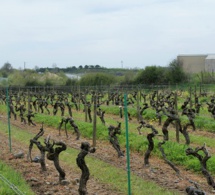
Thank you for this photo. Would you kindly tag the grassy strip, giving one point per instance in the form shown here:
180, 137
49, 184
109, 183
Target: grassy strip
115, 177
13, 177
174, 151
203, 122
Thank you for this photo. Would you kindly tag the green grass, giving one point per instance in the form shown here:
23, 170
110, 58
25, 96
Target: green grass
9, 175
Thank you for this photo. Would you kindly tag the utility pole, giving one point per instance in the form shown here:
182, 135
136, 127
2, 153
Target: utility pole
122, 63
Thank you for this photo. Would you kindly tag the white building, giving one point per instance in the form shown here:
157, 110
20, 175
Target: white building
197, 63
210, 63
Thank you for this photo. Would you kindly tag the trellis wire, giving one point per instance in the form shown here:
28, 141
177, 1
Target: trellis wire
11, 185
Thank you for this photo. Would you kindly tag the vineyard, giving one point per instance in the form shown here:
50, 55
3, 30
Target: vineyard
109, 139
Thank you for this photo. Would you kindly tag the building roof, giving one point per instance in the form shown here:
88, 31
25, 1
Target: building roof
189, 55
210, 57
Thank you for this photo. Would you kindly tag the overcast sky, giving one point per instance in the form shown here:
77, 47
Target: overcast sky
113, 33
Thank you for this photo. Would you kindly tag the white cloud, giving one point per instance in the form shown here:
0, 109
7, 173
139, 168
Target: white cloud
70, 33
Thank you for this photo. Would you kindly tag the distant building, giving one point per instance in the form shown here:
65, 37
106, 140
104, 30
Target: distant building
210, 63
197, 63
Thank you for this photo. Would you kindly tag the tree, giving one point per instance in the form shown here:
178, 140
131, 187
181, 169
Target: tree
175, 72
86, 67
70, 82
158, 75
94, 79
97, 66
128, 78
6, 69
151, 75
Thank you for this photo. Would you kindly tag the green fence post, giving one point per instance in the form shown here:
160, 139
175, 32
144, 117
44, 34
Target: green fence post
127, 144
8, 118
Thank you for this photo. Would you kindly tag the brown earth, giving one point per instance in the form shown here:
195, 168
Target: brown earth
47, 183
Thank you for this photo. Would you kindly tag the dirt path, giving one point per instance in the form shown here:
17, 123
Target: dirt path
158, 171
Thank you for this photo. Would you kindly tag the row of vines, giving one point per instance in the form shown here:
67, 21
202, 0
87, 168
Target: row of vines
167, 117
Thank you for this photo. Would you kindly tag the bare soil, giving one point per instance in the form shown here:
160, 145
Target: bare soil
47, 183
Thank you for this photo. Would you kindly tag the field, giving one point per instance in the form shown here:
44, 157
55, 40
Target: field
109, 174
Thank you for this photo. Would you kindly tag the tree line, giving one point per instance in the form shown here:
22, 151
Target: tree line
97, 75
